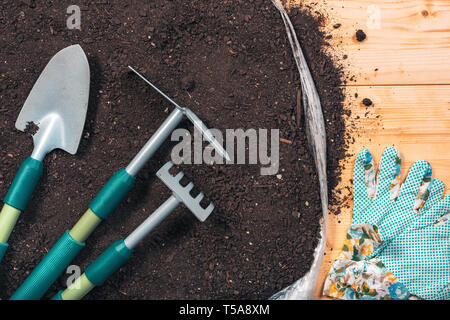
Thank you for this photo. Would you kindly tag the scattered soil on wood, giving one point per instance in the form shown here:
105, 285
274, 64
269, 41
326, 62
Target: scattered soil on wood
231, 63
360, 35
367, 102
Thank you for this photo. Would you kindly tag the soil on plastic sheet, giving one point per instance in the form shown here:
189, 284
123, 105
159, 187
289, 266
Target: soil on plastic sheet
231, 63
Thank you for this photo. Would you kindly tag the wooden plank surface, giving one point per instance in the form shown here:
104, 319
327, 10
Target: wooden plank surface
416, 119
408, 42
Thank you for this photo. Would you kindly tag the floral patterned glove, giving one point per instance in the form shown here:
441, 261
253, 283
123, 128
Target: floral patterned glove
382, 210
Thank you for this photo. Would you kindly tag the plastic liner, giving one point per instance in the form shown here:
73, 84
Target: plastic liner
303, 289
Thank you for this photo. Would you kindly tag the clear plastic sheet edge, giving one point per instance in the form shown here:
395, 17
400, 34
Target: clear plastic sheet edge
304, 288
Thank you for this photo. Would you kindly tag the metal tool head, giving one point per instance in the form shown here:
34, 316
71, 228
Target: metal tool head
183, 193
192, 117
58, 102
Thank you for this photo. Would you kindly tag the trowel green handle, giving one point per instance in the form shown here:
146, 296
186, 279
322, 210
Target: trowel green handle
17, 198
71, 243
97, 272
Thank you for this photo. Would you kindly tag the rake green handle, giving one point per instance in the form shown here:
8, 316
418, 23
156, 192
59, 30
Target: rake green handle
58, 296
17, 198
3, 248
108, 262
97, 272
49, 269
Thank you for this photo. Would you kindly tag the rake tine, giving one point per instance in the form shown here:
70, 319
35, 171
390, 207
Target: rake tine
183, 192
200, 196
189, 186
179, 176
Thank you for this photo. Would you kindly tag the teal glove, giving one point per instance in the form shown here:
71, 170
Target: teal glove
420, 255
379, 200
382, 210
372, 194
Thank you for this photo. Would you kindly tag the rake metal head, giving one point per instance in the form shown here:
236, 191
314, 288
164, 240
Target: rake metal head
183, 193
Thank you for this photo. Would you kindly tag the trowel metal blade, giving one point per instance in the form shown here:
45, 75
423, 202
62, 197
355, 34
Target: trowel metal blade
58, 102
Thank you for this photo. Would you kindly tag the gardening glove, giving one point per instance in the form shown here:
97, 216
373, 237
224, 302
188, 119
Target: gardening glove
377, 199
420, 256
375, 195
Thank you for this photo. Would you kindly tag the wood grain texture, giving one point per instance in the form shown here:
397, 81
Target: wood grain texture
416, 119
408, 41
403, 67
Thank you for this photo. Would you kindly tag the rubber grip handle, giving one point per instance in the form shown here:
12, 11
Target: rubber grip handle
108, 262
22, 187
58, 296
49, 269
112, 193
3, 248
8, 218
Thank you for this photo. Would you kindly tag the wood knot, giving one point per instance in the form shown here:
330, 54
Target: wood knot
425, 13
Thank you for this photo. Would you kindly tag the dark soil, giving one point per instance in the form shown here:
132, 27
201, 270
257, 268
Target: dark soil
31, 128
231, 63
360, 35
367, 102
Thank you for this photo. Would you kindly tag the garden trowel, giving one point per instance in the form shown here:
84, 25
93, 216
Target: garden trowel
55, 111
